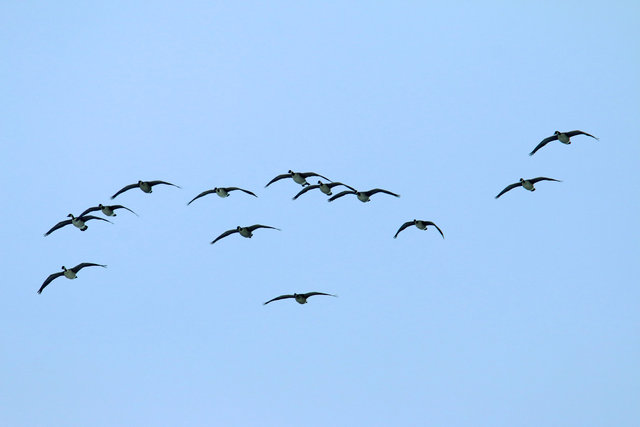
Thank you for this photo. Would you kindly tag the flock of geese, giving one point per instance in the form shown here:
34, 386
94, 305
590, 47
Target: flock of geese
247, 231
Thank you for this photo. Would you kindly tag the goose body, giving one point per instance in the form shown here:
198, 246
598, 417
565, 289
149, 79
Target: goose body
363, 196
324, 187
146, 186
243, 231
69, 273
298, 177
221, 192
300, 298
420, 224
564, 137
527, 184
76, 221
108, 210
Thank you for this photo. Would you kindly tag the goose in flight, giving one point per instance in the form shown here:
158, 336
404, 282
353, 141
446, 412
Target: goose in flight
419, 223
526, 183
300, 298
222, 192
145, 186
363, 196
298, 177
70, 273
324, 187
108, 210
244, 231
564, 137
78, 221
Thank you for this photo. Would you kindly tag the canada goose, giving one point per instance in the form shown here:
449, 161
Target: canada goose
244, 231
419, 223
300, 298
363, 196
68, 273
564, 137
298, 177
78, 221
222, 192
144, 186
325, 188
526, 183
108, 210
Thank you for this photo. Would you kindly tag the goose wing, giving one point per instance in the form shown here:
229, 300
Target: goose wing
277, 298
310, 294
579, 132
278, 178
308, 174
542, 178
89, 210
204, 193
88, 217
543, 143
434, 224
123, 189
380, 190
225, 234
114, 207
241, 189
58, 225
403, 226
86, 264
508, 188
49, 279
152, 183
333, 184
256, 226
305, 189
340, 194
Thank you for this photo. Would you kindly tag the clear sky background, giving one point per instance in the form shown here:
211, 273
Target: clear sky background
526, 314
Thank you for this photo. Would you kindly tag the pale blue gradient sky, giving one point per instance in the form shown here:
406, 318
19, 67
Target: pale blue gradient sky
526, 314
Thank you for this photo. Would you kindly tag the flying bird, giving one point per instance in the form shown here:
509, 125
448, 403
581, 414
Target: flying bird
564, 137
300, 298
298, 177
70, 273
145, 186
420, 224
363, 196
324, 187
78, 221
108, 210
222, 192
526, 183
244, 231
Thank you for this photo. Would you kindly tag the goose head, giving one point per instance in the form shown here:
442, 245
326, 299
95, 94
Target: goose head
71, 216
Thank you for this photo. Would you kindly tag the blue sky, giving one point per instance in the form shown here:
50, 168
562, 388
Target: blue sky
526, 314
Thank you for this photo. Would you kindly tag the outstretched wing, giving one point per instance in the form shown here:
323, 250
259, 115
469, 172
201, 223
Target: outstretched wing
403, 226
241, 189
204, 193
508, 188
256, 226
89, 210
308, 174
310, 294
438, 228
380, 190
225, 234
88, 217
58, 225
340, 194
123, 189
152, 183
579, 132
305, 189
277, 298
86, 264
543, 143
49, 279
114, 207
278, 178
333, 184
542, 178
